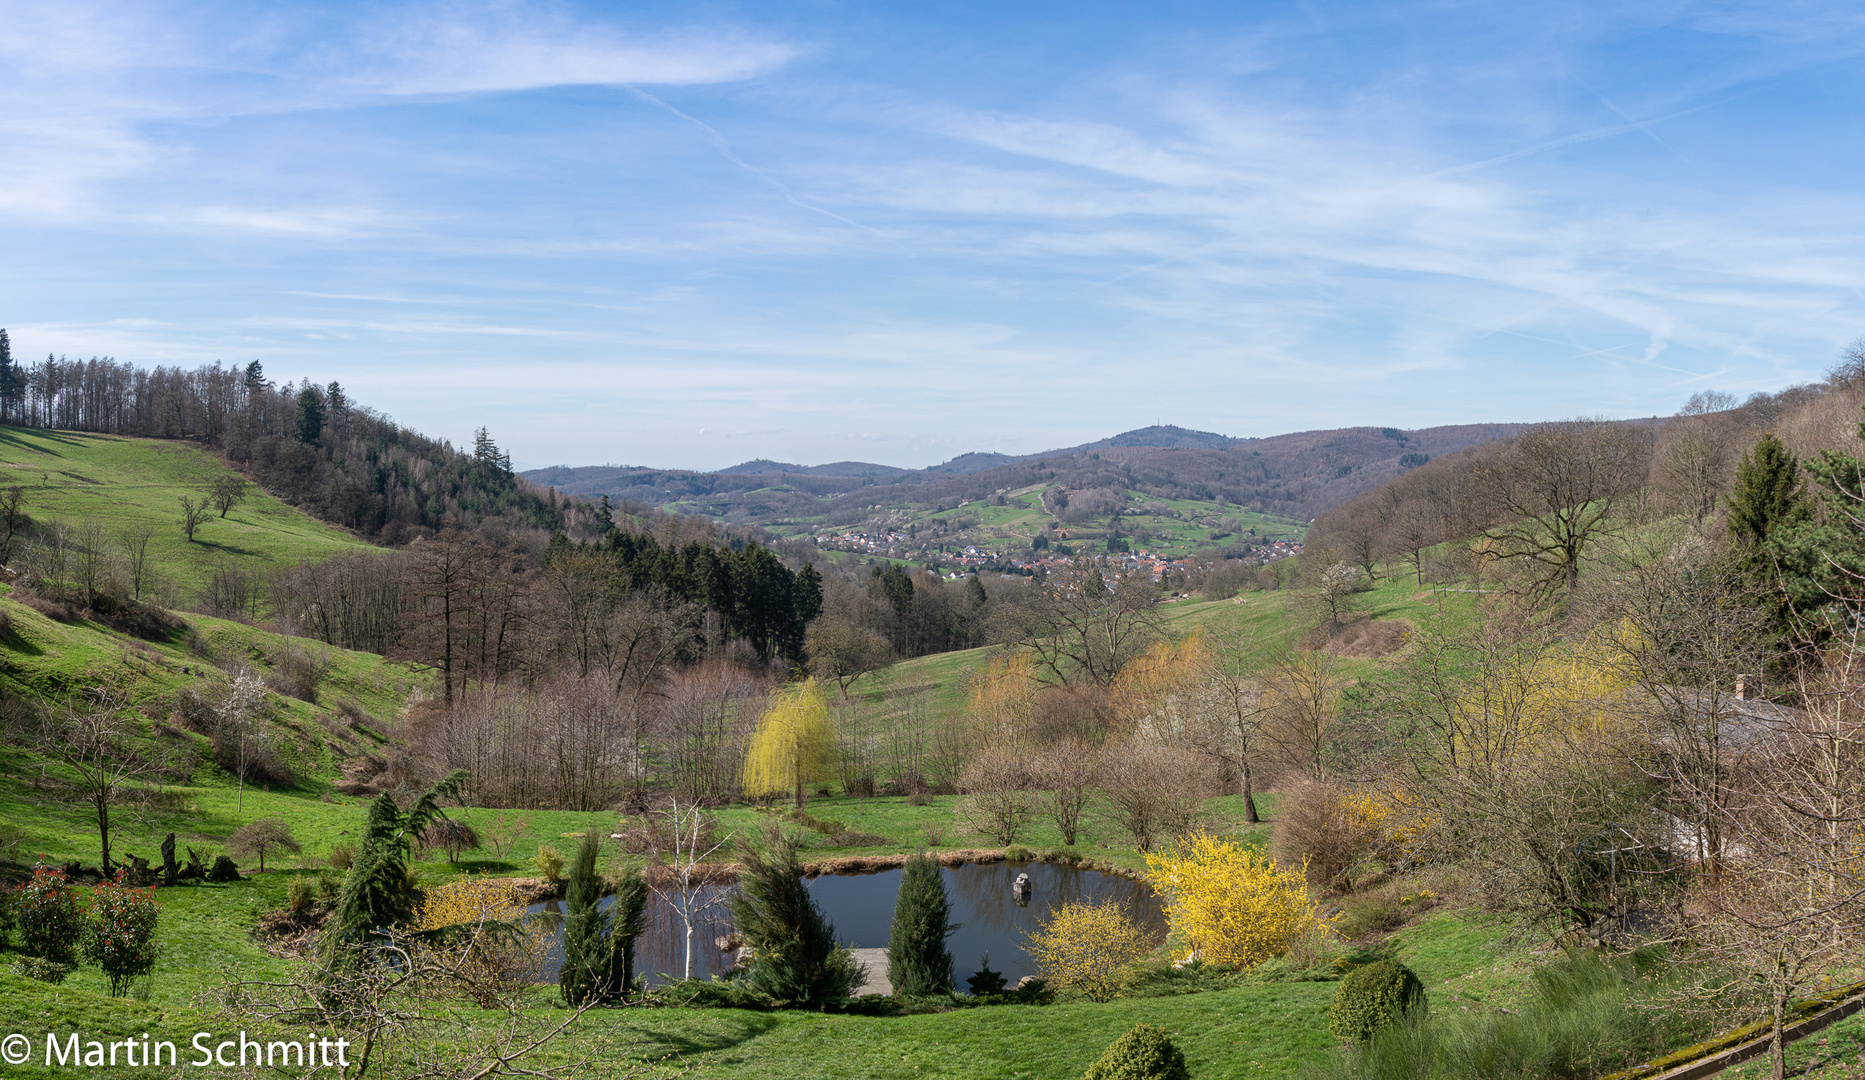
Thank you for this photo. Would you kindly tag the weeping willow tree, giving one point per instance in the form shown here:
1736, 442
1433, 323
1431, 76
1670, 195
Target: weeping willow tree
794, 744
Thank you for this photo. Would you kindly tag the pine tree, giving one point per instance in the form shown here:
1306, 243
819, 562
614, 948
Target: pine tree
310, 423
797, 960
918, 962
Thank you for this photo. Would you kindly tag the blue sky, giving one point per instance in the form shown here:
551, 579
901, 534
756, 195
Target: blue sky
691, 234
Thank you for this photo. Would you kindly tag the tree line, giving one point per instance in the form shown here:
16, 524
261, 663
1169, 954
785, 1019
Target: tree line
310, 444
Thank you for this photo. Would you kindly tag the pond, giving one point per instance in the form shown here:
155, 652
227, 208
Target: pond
862, 908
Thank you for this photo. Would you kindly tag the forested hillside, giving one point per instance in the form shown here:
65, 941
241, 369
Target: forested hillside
1300, 475
309, 444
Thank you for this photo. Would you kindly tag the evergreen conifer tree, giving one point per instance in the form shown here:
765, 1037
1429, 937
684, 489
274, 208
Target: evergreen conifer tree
625, 925
1767, 492
797, 961
918, 962
584, 966
375, 892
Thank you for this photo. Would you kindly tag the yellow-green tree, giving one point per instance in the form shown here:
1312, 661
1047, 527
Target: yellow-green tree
1234, 905
1088, 947
794, 744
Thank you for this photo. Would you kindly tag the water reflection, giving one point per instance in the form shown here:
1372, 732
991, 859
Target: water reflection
993, 919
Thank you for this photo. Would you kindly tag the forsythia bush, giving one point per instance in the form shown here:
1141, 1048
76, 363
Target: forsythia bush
1086, 946
1233, 904
484, 962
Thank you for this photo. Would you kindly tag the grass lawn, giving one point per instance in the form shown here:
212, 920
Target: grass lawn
129, 482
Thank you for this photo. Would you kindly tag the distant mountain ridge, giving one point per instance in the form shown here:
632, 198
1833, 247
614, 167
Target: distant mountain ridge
1300, 474
1166, 437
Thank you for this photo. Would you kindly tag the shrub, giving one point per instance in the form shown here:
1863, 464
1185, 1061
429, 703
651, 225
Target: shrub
6, 918
1328, 829
450, 836
796, 958
120, 937
51, 924
342, 855
300, 896
1088, 947
1143, 1053
45, 971
224, 869
1373, 996
1000, 796
986, 980
549, 863
918, 962
1234, 905
490, 955
261, 836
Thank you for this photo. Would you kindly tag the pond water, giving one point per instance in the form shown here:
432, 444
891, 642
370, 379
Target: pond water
862, 908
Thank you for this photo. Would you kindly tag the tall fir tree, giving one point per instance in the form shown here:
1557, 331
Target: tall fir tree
1767, 493
918, 962
627, 918
583, 969
796, 959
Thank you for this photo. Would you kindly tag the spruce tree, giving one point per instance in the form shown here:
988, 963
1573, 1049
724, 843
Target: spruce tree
1767, 493
797, 960
918, 962
584, 962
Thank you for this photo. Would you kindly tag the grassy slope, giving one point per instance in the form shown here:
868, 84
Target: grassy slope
128, 482
1250, 1031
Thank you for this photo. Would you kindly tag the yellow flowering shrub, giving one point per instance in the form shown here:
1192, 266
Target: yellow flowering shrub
485, 958
1234, 905
1087, 946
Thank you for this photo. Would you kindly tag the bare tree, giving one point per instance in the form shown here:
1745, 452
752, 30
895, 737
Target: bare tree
135, 540
377, 1004
842, 651
193, 512
1154, 791
1068, 772
258, 837
1696, 454
1557, 488
1785, 907
1302, 705
13, 519
680, 878
1086, 622
1685, 632
1232, 709
1000, 794
102, 752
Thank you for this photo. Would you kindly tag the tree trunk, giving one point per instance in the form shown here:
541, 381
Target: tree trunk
1249, 798
103, 829
1775, 1045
